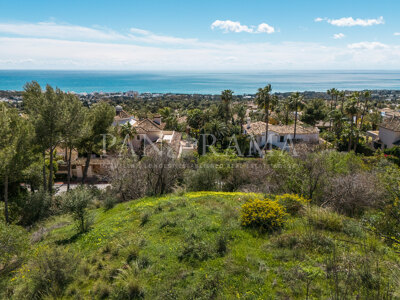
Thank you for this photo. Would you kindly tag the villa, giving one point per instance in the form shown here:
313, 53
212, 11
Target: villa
388, 135
281, 136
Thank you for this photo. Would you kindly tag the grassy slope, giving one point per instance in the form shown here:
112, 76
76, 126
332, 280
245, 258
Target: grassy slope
255, 266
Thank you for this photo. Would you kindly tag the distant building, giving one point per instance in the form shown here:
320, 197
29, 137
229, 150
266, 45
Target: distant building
388, 135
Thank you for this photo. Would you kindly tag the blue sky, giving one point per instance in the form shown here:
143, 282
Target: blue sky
199, 35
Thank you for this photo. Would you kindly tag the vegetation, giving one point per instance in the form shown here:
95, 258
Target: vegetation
264, 214
316, 222
194, 246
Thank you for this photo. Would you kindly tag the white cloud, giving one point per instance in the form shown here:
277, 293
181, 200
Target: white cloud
61, 31
396, 33
368, 45
349, 21
338, 36
264, 27
80, 48
233, 26
80, 33
139, 31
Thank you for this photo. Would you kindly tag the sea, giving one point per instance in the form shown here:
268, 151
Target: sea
201, 82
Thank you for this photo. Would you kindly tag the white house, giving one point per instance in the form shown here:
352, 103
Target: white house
388, 135
282, 136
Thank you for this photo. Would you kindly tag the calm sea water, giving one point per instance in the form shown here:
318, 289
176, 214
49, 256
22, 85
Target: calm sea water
201, 82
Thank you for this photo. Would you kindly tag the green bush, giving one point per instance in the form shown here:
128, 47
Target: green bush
202, 179
127, 290
35, 207
13, 243
75, 202
311, 241
49, 274
324, 218
293, 203
264, 214
195, 249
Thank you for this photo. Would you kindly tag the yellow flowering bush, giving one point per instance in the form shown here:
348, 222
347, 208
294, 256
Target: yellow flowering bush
265, 214
292, 202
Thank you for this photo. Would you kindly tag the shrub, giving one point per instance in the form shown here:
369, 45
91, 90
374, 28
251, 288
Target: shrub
109, 202
50, 273
13, 242
102, 290
144, 219
324, 218
35, 207
264, 214
75, 203
127, 290
293, 203
312, 241
203, 179
222, 244
195, 249
355, 193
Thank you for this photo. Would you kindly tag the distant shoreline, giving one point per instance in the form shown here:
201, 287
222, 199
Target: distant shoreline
202, 83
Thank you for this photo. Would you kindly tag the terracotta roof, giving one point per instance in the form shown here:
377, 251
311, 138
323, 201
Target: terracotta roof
289, 129
258, 128
123, 114
391, 124
147, 125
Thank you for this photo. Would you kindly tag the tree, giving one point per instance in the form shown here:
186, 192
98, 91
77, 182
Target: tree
366, 96
217, 128
195, 118
315, 110
240, 110
75, 203
13, 242
15, 149
47, 113
97, 123
351, 111
286, 108
71, 131
226, 98
263, 100
296, 98
342, 95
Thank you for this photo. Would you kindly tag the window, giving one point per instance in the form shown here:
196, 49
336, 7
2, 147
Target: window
281, 138
138, 137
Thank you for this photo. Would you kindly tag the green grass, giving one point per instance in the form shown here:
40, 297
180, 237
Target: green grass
193, 247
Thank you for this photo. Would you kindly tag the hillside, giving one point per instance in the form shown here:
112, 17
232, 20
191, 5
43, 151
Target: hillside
192, 246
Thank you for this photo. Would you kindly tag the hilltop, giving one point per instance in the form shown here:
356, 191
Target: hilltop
192, 246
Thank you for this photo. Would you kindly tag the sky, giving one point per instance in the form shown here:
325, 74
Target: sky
200, 35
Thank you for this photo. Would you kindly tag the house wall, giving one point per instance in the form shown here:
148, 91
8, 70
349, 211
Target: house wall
152, 136
388, 137
274, 138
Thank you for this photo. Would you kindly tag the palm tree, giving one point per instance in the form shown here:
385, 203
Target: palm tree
296, 98
333, 93
351, 110
342, 95
366, 96
127, 130
218, 129
286, 107
263, 100
241, 114
226, 98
